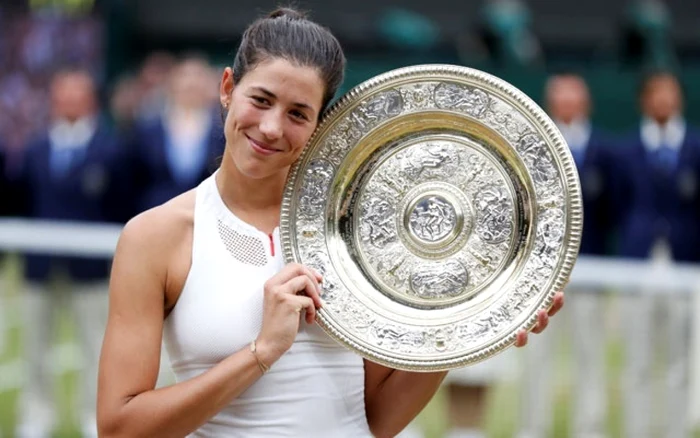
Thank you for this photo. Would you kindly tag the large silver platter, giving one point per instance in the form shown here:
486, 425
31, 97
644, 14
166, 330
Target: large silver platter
442, 207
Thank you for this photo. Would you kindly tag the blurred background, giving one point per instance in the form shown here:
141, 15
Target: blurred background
110, 107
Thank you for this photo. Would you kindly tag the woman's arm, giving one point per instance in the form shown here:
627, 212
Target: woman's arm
128, 404
393, 398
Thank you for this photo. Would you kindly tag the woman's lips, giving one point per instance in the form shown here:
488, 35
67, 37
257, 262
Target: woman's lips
261, 148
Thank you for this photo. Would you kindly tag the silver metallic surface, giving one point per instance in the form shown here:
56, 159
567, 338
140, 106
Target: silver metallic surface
442, 207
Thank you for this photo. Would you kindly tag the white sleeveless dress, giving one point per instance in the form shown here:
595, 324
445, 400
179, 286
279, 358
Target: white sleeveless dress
316, 389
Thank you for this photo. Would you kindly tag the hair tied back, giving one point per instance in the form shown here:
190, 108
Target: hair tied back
289, 13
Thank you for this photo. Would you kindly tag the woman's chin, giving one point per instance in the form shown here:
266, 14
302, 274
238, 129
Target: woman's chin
256, 171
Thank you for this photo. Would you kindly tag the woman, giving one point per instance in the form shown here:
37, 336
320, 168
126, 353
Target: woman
215, 252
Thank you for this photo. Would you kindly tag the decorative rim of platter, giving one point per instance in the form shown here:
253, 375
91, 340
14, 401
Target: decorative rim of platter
442, 207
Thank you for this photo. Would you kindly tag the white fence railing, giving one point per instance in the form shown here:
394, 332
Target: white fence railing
589, 274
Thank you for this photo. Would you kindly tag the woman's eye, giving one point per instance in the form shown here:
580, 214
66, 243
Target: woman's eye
261, 100
298, 115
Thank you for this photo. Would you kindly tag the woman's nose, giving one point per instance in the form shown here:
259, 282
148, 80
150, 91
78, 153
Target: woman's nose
271, 126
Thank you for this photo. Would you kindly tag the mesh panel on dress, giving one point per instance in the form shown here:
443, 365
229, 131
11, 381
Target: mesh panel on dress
245, 249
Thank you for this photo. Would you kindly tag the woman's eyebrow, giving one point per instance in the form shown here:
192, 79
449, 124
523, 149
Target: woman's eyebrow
272, 95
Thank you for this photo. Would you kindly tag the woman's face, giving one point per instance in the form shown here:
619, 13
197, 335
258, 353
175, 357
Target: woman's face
272, 113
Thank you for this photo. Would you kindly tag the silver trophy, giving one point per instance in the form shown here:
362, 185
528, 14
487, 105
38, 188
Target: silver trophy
442, 207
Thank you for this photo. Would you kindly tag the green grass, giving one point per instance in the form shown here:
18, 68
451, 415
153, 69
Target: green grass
501, 420
65, 383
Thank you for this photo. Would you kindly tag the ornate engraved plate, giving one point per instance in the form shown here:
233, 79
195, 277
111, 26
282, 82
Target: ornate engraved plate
444, 210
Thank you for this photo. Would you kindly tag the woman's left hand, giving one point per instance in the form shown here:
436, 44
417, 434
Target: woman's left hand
542, 319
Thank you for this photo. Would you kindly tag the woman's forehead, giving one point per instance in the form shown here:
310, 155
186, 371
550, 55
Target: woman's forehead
286, 81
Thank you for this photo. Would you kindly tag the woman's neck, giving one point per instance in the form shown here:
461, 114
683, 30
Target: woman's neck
255, 201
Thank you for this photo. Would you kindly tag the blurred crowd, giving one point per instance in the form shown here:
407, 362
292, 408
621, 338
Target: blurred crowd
72, 148
30, 49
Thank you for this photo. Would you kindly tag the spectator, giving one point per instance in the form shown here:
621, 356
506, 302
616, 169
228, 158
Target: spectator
69, 173
152, 83
568, 103
32, 46
659, 166
178, 150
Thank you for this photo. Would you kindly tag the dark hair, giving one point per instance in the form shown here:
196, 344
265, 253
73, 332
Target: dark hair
288, 34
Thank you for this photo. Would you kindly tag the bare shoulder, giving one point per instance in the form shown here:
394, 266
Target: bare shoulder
163, 227
159, 240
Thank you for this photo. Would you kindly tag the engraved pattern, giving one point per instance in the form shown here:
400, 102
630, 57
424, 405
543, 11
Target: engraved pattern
536, 155
495, 211
393, 256
439, 280
418, 96
476, 169
399, 337
379, 222
353, 314
483, 259
550, 195
432, 219
377, 109
502, 118
317, 180
480, 182
550, 231
431, 160
394, 265
471, 101
335, 147
361, 120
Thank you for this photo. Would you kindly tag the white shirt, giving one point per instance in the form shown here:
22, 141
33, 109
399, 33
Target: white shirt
316, 389
671, 134
577, 134
68, 135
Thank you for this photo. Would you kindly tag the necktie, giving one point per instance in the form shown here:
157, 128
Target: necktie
62, 159
665, 159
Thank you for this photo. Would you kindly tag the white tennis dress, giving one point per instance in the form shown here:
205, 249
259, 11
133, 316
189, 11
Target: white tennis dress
316, 389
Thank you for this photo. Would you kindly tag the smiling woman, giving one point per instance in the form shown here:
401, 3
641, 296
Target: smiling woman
201, 272
274, 111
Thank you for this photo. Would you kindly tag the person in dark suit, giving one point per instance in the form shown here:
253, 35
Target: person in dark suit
70, 174
568, 102
659, 166
176, 151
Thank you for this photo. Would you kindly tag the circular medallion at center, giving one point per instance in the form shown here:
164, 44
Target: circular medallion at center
435, 220
432, 219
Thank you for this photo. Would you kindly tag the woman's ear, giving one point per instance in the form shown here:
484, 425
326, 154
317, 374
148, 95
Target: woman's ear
226, 87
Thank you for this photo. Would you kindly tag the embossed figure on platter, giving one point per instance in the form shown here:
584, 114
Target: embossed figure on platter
432, 219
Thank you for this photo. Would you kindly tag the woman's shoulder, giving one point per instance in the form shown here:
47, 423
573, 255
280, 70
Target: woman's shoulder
162, 227
155, 248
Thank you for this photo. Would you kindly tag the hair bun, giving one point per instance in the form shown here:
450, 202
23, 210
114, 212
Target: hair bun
290, 13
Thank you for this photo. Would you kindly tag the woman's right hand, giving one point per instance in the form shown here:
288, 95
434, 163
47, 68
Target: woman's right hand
292, 290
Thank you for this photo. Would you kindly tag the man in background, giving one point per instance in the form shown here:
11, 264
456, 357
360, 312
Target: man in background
176, 150
568, 102
69, 173
659, 204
